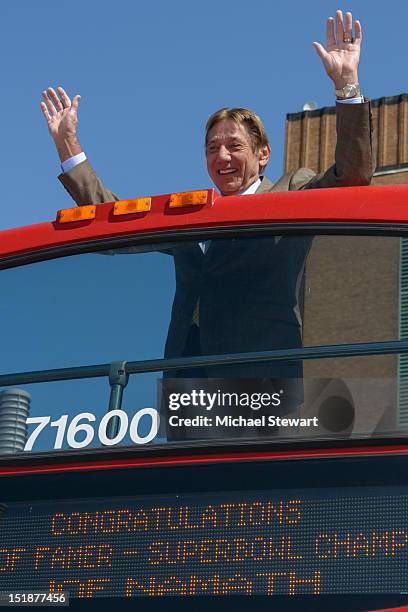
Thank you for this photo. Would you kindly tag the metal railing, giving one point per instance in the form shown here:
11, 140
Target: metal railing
394, 347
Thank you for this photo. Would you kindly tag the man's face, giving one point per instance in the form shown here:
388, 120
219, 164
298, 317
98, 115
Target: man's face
232, 163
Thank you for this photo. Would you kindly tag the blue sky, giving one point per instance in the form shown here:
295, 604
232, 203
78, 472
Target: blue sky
150, 73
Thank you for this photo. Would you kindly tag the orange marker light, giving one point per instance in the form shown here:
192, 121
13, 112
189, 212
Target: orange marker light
188, 198
79, 213
127, 207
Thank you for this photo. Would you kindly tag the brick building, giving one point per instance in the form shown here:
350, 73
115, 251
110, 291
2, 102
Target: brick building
311, 137
354, 286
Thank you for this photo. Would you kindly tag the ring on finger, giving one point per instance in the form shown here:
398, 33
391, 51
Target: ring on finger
348, 39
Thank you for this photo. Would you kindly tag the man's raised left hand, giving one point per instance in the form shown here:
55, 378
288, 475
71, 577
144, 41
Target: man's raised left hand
342, 56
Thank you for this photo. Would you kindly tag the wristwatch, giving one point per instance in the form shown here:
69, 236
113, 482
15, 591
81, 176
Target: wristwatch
351, 90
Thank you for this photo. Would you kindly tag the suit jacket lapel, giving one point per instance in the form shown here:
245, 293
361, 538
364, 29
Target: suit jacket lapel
281, 185
265, 186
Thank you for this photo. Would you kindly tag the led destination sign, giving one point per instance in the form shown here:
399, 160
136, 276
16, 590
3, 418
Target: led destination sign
319, 542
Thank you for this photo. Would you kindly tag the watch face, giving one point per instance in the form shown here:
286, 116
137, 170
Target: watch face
349, 91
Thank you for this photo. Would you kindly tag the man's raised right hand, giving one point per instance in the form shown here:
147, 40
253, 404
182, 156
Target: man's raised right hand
61, 115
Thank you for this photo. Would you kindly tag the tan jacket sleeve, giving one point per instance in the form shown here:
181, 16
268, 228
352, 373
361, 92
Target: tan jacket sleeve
354, 155
354, 163
85, 187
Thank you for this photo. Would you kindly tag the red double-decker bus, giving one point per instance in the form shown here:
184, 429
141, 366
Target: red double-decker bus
271, 474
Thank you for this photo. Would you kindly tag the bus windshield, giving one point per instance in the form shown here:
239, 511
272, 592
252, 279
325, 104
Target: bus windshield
240, 337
